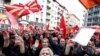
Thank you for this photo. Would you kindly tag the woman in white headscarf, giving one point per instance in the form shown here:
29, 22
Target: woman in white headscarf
46, 51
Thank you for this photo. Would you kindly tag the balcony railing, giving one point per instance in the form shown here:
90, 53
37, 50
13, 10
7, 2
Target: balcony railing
96, 10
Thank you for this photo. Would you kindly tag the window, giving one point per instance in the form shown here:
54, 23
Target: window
88, 24
48, 13
89, 14
48, 8
99, 19
94, 24
7, 1
36, 19
57, 18
99, 24
1, 3
96, 11
95, 19
66, 17
47, 20
2, 10
48, 1
42, 6
41, 20
89, 20
58, 13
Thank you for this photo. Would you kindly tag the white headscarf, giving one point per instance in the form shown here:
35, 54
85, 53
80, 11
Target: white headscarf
46, 50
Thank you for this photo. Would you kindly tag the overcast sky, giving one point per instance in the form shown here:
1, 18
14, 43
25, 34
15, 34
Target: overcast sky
74, 6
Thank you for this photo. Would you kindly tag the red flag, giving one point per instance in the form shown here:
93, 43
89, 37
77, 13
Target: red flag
22, 10
63, 26
47, 27
57, 28
13, 21
73, 29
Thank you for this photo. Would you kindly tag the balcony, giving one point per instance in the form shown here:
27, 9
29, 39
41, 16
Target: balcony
90, 12
89, 20
96, 10
90, 17
95, 19
95, 23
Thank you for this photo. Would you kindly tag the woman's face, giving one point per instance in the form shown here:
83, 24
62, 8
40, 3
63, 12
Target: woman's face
45, 53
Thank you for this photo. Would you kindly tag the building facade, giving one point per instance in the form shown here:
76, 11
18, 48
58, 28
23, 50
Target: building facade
50, 14
73, 20
92, 17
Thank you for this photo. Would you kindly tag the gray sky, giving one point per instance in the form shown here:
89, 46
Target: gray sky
74, 6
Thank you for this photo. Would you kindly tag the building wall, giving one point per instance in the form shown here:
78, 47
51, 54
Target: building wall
73, 20
93, 16
51, 13
1, 3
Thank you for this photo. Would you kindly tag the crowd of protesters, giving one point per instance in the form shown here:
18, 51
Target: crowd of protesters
44, 43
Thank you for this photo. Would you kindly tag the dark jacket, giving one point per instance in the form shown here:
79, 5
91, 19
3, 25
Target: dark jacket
55, 47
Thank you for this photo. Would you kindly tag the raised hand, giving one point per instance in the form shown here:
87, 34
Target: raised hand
5, 34
19, 41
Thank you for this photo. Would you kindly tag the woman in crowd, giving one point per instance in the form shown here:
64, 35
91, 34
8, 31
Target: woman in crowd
46, 51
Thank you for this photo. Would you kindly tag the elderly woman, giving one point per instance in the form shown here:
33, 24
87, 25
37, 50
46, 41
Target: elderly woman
46, 51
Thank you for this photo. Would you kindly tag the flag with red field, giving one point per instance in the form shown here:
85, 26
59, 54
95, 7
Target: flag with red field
12, 20
21, 9
47, 27
74, 28
63, 26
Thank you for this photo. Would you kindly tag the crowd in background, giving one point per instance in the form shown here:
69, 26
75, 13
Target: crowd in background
44, 43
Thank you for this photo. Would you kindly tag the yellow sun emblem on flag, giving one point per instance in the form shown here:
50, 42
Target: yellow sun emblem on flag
2, 16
